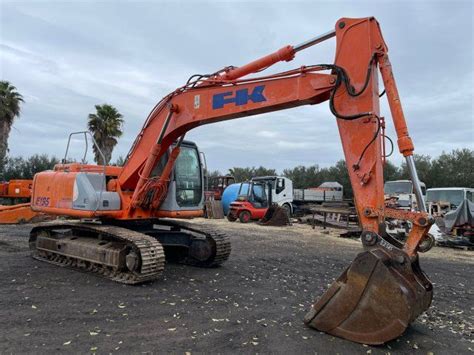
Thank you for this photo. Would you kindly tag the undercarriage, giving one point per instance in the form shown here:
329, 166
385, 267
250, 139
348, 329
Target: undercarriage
128, 252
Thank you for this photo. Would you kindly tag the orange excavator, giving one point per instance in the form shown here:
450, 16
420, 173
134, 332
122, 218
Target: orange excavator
16, 189
16, 193
123, 231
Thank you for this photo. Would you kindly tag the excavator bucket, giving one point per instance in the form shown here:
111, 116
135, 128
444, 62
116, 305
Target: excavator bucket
275, 216
375, 298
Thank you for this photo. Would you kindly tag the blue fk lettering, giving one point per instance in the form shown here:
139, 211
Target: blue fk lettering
240, 98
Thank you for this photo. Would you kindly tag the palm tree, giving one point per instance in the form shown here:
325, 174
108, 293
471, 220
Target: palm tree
106, 126
10, 101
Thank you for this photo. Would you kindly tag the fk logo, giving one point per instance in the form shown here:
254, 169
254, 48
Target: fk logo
241, 97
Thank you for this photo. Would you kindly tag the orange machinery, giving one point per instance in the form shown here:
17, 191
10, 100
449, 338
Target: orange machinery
376, 297
14, 191
217, 185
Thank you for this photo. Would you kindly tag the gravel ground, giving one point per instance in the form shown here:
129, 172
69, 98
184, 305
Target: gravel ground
254, 303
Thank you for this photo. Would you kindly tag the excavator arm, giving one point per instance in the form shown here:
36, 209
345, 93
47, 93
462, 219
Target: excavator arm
377, 296
384, 289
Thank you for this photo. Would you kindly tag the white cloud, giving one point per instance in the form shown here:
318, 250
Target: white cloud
267, 134
68, 57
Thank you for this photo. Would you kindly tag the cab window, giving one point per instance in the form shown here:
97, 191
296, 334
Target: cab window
188, 178
280, 185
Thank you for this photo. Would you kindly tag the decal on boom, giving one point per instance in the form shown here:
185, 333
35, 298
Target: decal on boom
240, 97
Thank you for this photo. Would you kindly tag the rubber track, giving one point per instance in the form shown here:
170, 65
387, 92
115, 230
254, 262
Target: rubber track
223, 246
150, 250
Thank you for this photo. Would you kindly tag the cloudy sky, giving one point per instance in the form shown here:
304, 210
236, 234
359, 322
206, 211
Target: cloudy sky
67, 56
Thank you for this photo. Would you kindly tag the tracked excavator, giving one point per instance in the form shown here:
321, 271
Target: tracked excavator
123, 229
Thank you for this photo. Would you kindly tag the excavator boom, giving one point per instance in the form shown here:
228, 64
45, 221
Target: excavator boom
383, 290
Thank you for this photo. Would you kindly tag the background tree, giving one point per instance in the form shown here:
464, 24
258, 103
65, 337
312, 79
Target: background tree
423, 168
312, 176
106, 126
244, 174
212, 174
339, 174
454, 169
20, 168
241, 174
391, 171
10, 101
120, 161
304, 177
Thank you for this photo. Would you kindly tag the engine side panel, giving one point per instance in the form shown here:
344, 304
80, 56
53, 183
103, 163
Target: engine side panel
57, 191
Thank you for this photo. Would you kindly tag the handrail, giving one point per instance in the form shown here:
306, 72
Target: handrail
85, 133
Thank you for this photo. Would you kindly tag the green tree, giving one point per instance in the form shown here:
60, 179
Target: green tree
423, 168
212, 174
20, 168
244, 174
10, 101
120, 161
261, 171
241, 174
391, 171
304, 177
455, 169
339, 174
106, 126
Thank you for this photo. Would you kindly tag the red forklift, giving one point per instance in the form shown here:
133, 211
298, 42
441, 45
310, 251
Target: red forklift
252, 202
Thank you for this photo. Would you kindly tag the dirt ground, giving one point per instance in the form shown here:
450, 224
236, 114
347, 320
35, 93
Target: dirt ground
254, 303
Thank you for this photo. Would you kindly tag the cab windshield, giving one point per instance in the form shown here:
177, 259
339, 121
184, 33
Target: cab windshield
188, 178
398, 187
258, 193
454, 197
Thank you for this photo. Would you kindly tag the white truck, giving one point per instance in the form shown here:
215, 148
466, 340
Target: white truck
282, 190
402, 194
327, 191
284, 195
441, 200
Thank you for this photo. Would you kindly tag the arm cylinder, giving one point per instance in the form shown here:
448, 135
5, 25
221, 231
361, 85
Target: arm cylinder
416, 183
315, 40
405, 144
286, 53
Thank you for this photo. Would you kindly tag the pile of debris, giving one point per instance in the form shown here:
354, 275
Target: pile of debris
456, 228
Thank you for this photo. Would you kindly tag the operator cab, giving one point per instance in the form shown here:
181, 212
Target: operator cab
186, 186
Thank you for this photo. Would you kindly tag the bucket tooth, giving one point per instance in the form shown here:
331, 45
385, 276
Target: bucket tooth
374, 300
